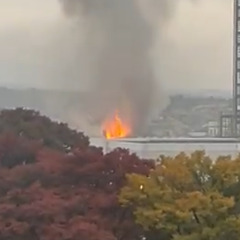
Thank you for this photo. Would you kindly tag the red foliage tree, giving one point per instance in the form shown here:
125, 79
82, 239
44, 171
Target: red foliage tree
32, 125
65, 196
15, 150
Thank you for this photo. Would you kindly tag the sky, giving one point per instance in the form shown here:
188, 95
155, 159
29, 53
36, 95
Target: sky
195, 53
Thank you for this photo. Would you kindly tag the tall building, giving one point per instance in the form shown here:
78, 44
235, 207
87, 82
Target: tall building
230, 122
236, 69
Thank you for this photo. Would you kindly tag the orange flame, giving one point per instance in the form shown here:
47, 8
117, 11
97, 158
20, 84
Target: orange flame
116, 128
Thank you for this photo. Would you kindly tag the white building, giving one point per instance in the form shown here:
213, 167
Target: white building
212, 128
152, 148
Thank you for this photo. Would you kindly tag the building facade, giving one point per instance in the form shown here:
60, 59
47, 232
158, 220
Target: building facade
153, 148
230, 122
236, 69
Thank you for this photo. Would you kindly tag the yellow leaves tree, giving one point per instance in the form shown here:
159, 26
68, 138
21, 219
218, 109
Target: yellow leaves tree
187, 196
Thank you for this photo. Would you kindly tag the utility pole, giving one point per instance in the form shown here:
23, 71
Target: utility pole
106, 150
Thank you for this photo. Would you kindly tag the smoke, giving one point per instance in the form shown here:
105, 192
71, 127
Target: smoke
119, 37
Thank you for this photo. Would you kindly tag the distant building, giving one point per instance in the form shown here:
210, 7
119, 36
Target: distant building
197, 134
152, 148
212, 129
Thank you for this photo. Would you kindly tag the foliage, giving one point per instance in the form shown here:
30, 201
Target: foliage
187, 197
15, 150
32, 125
49, 194
53, 185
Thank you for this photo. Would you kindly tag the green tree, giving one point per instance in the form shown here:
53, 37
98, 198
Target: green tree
190, 198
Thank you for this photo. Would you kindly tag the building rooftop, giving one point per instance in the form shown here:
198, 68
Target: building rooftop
177, 140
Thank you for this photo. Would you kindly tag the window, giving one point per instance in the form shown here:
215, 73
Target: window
238, 51
238, 90
238, 77
238, 64
238, 38
238, 103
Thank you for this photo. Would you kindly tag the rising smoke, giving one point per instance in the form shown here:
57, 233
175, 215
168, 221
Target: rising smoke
119, 36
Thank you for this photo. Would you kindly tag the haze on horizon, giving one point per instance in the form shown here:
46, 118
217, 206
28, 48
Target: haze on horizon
195, 50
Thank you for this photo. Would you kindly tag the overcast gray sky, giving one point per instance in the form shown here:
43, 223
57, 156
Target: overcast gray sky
197, 52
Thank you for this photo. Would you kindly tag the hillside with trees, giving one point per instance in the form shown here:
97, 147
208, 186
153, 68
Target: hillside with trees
185, 112
54, 185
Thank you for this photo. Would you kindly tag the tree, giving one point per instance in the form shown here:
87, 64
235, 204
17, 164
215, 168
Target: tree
53, 185
101, 177
32, 125
69, 196
187, 197
15, 150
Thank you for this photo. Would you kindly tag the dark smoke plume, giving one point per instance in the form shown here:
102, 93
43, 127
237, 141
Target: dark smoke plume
119, 35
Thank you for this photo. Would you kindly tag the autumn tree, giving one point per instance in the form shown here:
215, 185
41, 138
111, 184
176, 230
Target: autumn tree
100, 177
31, 124
53, 185
69, 196
187, 198
17, 150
